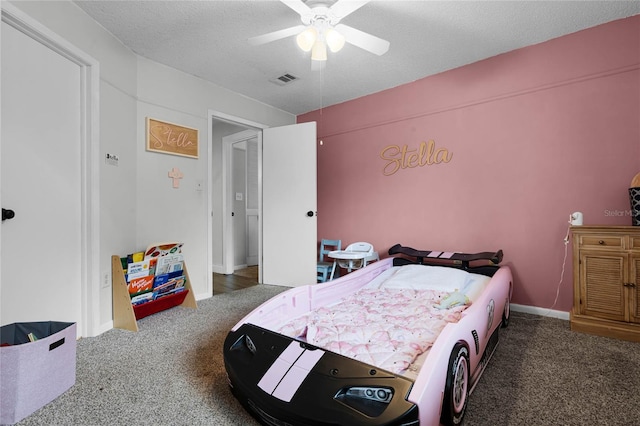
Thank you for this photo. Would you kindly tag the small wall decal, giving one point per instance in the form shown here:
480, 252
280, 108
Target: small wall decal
176, 175
426, 154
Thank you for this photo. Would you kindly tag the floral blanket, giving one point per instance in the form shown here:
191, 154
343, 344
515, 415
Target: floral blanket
388, 328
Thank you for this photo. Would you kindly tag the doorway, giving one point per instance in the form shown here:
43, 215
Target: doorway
241, 235
235, 180
242, 176
286, 198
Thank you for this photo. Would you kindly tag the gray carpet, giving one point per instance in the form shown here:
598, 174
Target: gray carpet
171, 373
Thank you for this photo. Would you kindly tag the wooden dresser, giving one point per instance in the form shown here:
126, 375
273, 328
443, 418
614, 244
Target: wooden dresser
606, 281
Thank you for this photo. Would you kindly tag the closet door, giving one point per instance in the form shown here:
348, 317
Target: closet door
41, 253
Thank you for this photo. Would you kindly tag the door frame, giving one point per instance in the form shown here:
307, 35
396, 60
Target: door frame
227, 248
228, 245
89, 157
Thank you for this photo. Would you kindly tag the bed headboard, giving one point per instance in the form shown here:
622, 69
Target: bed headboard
485, 263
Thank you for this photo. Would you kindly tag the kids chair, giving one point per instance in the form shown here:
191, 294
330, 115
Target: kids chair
325, 267
355, 256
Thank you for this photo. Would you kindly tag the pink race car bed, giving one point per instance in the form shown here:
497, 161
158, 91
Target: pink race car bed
402, 341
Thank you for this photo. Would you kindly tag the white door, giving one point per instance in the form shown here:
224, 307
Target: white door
239, 205
41, 182
289, 203
252, 203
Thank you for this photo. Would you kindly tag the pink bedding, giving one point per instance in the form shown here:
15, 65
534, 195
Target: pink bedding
387, 327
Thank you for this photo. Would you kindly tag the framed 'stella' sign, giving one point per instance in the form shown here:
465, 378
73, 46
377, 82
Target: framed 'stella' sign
170, 138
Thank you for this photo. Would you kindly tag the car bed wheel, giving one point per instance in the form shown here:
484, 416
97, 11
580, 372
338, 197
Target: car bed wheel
456, 392
505, 315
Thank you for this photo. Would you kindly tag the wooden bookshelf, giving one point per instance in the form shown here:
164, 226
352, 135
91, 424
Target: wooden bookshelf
126, 316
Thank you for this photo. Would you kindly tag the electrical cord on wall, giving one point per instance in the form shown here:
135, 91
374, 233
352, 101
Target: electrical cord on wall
564, 262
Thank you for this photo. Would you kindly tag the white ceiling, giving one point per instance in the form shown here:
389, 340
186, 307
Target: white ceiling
208, 39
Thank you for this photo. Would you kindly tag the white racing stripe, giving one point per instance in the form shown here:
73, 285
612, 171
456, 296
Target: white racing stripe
286, 374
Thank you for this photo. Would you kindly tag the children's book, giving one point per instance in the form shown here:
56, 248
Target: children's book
138, 269
140, 285
142, 298
169, 286
138, 256
175, 290
169, 263
154, 273
163, 278
156, 250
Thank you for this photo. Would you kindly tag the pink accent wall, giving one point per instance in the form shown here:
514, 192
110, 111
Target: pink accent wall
535, 134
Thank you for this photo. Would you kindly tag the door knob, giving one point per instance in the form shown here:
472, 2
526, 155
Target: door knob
310, 213
7, 214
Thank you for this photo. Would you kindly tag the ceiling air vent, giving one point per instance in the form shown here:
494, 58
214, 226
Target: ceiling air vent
284, 79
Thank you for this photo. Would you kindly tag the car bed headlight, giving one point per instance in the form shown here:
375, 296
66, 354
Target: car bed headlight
244, 343
369, 400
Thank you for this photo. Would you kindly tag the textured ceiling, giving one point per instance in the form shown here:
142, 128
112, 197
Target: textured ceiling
208, 39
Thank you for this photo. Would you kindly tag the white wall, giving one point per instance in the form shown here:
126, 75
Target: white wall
118, 187
138, 204
165, 213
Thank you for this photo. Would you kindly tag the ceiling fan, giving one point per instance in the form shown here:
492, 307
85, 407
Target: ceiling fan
322, 29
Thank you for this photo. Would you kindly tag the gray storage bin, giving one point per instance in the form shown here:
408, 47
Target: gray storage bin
32, 374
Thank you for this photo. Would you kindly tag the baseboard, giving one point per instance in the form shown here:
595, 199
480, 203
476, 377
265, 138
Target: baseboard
219, 269
203, 296
105, 327
551, 313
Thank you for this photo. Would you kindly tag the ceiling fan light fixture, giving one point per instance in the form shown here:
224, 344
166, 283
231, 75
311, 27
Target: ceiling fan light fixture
319, 51
334, 40
321, 28
307, 38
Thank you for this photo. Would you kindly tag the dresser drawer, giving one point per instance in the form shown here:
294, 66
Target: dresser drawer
635, 243
600, 241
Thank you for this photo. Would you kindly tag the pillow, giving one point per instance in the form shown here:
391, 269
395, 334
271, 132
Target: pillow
452, 300
475, 285
424, 277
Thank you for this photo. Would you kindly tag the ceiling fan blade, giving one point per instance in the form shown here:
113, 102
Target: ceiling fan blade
298, 5
342, 8
363, 40
276, 35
